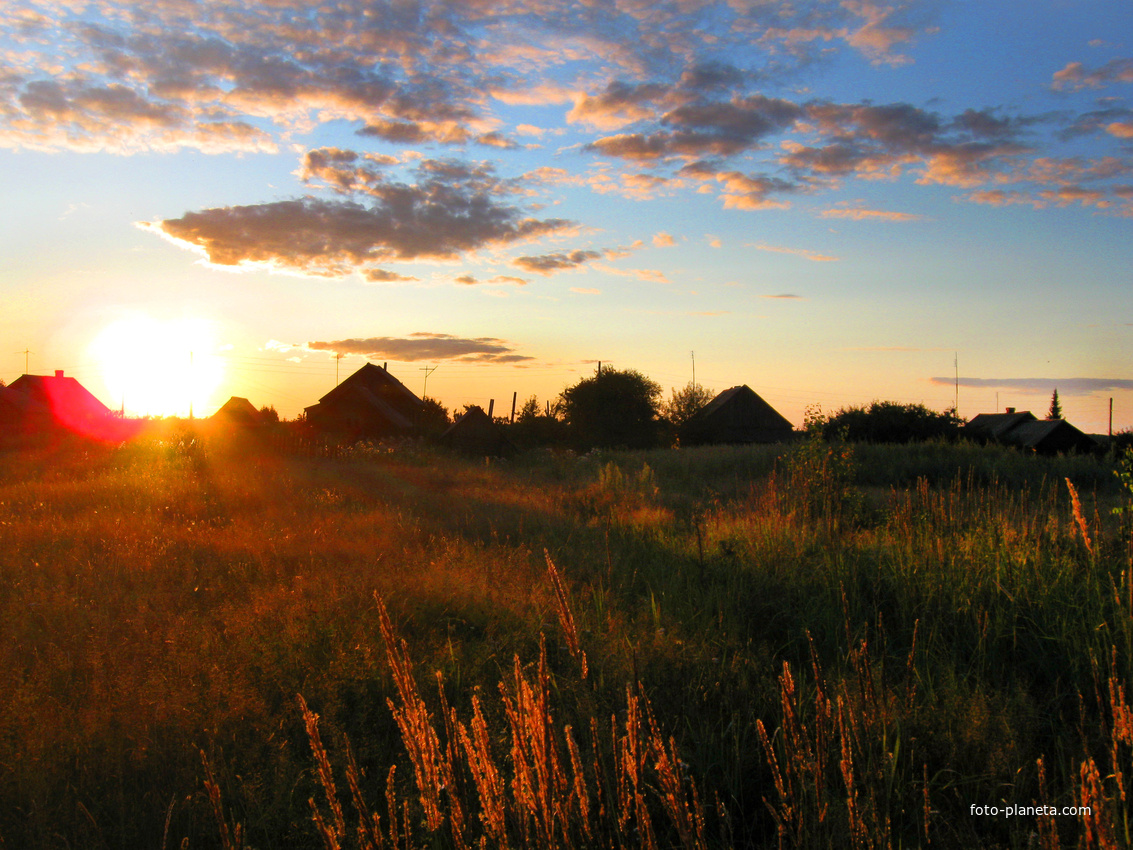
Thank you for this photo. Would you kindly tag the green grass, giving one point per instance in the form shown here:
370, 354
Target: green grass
847, 646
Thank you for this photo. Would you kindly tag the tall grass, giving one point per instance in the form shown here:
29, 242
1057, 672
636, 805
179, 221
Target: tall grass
833, 646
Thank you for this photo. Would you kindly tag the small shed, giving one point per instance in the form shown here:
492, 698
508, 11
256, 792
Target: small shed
238, 412
737, 415
370, 403
474, 433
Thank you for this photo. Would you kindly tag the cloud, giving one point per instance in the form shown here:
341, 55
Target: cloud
548, 264
664, 240
1065, 386
584, 291
785, 297
383, 276
453, 209
1074, 76
426, 346
860, 214
813, 256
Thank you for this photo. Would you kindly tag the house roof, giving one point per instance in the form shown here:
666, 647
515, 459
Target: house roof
46, 400
767, 415
995, 425
238, 409
1024, 430
377, 381
63, 395
474, 431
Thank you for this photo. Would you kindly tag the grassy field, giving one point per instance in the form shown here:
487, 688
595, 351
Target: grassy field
804, 646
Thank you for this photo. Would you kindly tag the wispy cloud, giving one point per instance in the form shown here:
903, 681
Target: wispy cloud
861, 214
426, 346
805, 253
786, 296
1065, 386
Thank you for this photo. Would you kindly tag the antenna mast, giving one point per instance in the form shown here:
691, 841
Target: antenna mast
956, 366
428, 370
693, 354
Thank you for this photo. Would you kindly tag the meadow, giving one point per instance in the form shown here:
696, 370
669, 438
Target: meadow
208, 643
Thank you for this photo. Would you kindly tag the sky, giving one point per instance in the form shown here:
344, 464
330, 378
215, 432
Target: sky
831, 202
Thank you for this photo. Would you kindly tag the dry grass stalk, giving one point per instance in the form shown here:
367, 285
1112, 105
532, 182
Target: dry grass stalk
230, 838
566, 616
538, 797
415, 724
1080, 518
1048, 831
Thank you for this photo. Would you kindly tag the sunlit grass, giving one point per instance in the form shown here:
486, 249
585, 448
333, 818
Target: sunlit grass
847, 646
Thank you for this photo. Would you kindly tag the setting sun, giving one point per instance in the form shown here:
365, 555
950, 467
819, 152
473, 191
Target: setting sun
154, 367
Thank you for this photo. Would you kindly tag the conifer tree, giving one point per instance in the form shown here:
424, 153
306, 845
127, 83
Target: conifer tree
1055, 411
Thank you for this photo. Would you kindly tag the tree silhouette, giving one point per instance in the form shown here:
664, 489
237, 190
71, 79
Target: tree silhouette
684, 403
1055, 411
613, 408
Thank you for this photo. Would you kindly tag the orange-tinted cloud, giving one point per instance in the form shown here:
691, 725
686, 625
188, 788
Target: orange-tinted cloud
454, 208
548, 264
426, 346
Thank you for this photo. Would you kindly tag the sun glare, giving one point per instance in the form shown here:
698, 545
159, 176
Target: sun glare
154, 367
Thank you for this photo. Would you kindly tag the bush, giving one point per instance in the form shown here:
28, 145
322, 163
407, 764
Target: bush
891, 422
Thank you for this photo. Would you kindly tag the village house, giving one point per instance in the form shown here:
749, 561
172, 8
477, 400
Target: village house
370, 403
54, 404
737, 415
1022, 430
475, 433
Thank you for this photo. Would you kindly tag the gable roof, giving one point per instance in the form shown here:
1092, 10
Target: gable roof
370, 401
992, 426
377, 381
1022, 429
737, 415
239, 410
474, 432
59, 401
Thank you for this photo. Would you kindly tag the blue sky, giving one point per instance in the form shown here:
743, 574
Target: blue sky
830, 202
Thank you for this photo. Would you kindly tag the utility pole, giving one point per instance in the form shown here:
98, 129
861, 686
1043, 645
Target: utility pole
693, 353
337, 357
956, 366
1111, 417
428, 370
514, 396
25, 352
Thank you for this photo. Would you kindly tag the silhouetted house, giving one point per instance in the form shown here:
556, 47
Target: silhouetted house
475, 433
370, 403
737, 415
238, 412
44, 403
1022, 430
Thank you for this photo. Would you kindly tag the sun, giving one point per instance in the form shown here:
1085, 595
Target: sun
156, 367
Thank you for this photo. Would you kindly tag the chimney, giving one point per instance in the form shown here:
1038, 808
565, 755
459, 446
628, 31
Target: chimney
1010, 410
58, 373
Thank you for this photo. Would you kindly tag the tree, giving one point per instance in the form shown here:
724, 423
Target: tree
1055, 411
530, 410
889, 422
685, 403
613, 408
269, 414
433, 418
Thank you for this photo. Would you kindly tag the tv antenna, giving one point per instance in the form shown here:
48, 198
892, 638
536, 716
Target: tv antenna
25, 352
428, 370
